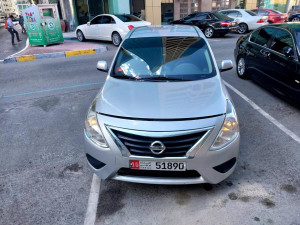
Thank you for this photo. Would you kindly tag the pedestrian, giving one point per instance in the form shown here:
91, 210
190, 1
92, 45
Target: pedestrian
11, 30
21, 22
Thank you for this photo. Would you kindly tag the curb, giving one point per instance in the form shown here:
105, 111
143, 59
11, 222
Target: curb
64, 54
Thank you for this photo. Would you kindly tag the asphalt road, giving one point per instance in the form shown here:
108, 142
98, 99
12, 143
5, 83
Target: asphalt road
44, 178
6, 48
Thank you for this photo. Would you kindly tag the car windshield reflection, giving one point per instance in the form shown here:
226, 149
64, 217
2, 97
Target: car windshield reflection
164, 58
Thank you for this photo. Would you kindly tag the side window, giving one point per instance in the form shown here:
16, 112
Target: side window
201, 16
188, 17
96, 20
224, 12
254, 35
107, 20
233, 14
207, 17
264, 13
282, 39
261, 12
239, 14
264, 36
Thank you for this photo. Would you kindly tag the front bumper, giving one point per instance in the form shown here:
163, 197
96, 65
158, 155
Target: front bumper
204, 161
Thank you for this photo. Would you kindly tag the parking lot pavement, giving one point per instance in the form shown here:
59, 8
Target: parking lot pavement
44, 178
6, 48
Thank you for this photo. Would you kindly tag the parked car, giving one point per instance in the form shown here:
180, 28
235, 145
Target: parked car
246, 19
167, 18
210, 23
270, 56
294, 10
294, 18
274, 16
163, 115
109, 27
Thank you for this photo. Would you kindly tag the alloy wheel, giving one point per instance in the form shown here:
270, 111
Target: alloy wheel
242, 28
116, 39
80, 36
209, 32
241, 67
296, 19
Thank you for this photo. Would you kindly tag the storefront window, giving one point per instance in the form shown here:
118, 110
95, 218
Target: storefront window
137, 8
194, 6
88, 9
183, 8
167, 13
271, 4
218, 5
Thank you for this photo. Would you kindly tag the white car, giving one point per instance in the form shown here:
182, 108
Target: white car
108, 27
246, 19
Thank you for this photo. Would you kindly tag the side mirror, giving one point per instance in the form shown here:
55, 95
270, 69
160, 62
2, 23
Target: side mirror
288, 52
88, 23
102, 66
225, 65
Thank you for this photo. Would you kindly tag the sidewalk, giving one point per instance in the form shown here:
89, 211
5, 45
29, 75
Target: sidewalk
70, 47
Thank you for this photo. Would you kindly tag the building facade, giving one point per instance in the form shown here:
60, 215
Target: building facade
157, 12
7, 7
20, 5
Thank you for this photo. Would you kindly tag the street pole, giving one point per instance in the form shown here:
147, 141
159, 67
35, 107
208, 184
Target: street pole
287, 6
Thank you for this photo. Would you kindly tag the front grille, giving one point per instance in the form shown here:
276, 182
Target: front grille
176, 146
158, 173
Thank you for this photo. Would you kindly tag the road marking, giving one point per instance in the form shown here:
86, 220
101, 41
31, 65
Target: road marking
48, 90
265, 114
27, 45
91, 212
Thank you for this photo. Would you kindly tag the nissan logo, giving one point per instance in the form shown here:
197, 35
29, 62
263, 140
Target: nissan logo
157, 147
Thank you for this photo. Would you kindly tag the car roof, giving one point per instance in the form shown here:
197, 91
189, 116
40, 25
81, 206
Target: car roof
289, 26
166, 31
241, 10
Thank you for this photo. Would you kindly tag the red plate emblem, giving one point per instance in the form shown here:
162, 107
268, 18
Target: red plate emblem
135, 164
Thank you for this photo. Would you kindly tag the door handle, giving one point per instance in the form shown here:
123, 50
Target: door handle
265, 53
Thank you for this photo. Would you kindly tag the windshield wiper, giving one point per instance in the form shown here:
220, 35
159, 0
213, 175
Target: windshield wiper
124, 77
164, 78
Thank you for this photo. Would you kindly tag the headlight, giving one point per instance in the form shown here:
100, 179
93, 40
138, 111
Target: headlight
230, 129
92, 127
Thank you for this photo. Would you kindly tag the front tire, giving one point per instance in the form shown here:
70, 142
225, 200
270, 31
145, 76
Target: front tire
116, 38
209, 32
241, 68
296, 19
243, 28
80, 36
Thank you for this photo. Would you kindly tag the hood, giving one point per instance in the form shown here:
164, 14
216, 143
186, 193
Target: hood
162, 100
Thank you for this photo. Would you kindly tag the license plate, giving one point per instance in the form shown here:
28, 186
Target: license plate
154, 165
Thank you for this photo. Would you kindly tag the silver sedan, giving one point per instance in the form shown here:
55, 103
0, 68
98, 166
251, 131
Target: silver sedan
163, 115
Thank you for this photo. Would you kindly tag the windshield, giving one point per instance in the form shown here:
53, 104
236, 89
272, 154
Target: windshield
250, 12
128, 18
189, 16
221, 16
164, 59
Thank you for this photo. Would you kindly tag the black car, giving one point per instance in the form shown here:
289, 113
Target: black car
270, 56
210, 23
294, 18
